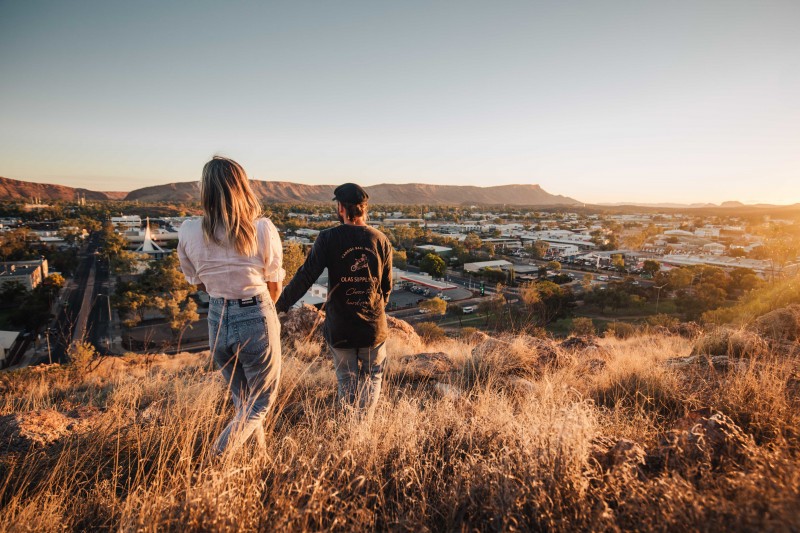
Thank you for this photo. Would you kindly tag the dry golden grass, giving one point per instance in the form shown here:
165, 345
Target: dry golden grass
507, 437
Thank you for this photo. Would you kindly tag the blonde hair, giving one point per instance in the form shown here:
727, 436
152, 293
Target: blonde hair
229, 203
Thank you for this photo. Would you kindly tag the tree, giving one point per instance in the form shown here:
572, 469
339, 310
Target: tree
400, 259
51, 285
586, 282
436, 306
555, 266
743, 280
651, 267
529, 294
179, 317
433, 265
130, 303
618, 262
541, 272
538, 249
457, 311
293, 259
492, 306
704, 297
472, 242
680, 278
12, 294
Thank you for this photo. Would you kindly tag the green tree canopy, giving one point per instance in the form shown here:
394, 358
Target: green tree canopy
433, 265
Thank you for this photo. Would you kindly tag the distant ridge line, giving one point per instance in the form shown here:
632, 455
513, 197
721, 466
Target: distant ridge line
287, 192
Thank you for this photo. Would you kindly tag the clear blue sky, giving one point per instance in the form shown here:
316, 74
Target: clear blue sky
603, 101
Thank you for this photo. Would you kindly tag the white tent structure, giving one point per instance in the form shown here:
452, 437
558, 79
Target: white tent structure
149, 246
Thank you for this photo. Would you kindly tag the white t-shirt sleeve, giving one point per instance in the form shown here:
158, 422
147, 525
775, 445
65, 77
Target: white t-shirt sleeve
273, 266
187, 267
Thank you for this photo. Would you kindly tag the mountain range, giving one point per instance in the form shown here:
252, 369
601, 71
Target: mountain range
386, 193
286, 192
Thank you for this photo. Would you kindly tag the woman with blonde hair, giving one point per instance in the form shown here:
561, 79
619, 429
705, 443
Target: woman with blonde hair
235, 255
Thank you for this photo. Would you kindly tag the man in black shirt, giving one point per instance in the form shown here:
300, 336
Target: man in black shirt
359, 262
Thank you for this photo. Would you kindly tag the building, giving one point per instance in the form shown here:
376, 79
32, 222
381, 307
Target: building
562, 250
27, 273
127, 222
7, 340
422, 279
477, 267
149, 247
714, 248
758, 266
503, 242
442, 251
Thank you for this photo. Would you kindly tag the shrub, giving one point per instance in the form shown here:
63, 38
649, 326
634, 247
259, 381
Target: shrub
582, 326
620, 330
732, 342
666, 321
429, 331
81, 355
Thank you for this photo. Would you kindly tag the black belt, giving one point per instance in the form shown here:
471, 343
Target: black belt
247, 302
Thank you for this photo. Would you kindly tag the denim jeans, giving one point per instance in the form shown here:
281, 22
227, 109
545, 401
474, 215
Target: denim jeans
245, 344
359, 372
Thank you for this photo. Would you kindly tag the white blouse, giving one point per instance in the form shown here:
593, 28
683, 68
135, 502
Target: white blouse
224, 272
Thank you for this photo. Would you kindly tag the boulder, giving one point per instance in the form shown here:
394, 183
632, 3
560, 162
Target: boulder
490, 345
305, 323
579, 343
705, 439
717, 362
687, 330
428, 365
521, 386
21, 431
781, 324
402, 330
547, 352
594, 365
618, 455
476, 337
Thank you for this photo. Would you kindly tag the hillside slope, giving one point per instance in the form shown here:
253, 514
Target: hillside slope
26, 190
478, 434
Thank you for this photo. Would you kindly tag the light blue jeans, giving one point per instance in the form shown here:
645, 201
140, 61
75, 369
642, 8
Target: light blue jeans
359, 373
245, 344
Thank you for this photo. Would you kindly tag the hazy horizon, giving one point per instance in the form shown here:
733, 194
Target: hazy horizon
690, 102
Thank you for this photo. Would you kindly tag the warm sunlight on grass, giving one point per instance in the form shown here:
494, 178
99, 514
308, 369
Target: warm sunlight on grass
521, 433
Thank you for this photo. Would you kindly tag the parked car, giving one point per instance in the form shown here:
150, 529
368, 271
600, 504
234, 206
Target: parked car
469, 309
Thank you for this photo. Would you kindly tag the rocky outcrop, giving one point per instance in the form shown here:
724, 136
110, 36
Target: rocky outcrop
425, 366
402, 330
579, 343
704, 439
303, 323
618, 455
782, 325
687, 330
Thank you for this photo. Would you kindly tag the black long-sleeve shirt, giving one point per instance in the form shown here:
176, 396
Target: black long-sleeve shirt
359, 263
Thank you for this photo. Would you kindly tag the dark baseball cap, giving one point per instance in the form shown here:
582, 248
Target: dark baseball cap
350, 193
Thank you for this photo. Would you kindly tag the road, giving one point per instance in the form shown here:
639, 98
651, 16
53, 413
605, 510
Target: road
61, 332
